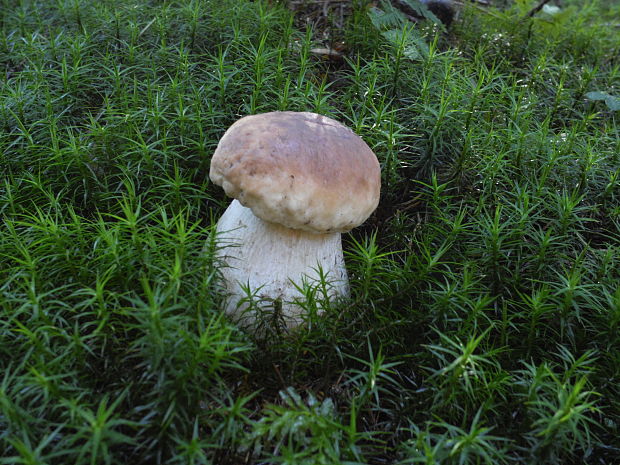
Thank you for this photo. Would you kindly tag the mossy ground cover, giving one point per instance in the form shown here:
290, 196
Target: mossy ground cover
484, 321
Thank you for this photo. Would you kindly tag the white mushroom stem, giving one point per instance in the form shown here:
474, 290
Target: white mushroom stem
271, 259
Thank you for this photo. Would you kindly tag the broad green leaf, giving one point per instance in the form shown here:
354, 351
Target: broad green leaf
597, 95
414, 47
612, 102
419, 43
422, 10
386, 17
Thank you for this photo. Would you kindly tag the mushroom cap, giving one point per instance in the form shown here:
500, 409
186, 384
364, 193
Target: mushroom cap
302, 170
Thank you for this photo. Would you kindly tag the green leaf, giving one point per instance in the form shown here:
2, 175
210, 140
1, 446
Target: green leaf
417, 43
386, 17
422, 10
596, 95
613, 103
414, 47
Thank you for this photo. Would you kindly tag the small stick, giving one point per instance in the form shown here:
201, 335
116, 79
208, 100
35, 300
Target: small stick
275, 368
144, 29
537, 8
481, 2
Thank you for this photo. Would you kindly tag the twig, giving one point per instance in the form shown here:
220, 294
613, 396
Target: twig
275, 368
481, 2
537, 8
144, 29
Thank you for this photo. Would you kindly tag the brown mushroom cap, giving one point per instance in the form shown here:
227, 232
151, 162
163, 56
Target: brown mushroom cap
302, 170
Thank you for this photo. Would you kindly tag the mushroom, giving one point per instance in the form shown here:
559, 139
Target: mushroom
299, 180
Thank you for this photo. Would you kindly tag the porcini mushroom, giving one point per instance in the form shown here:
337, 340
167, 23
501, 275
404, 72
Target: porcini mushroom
299, 180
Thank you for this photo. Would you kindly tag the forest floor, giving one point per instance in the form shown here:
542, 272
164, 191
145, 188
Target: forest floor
483, 325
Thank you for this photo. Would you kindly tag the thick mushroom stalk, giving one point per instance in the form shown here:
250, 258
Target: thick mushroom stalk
274, 261
304, 178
